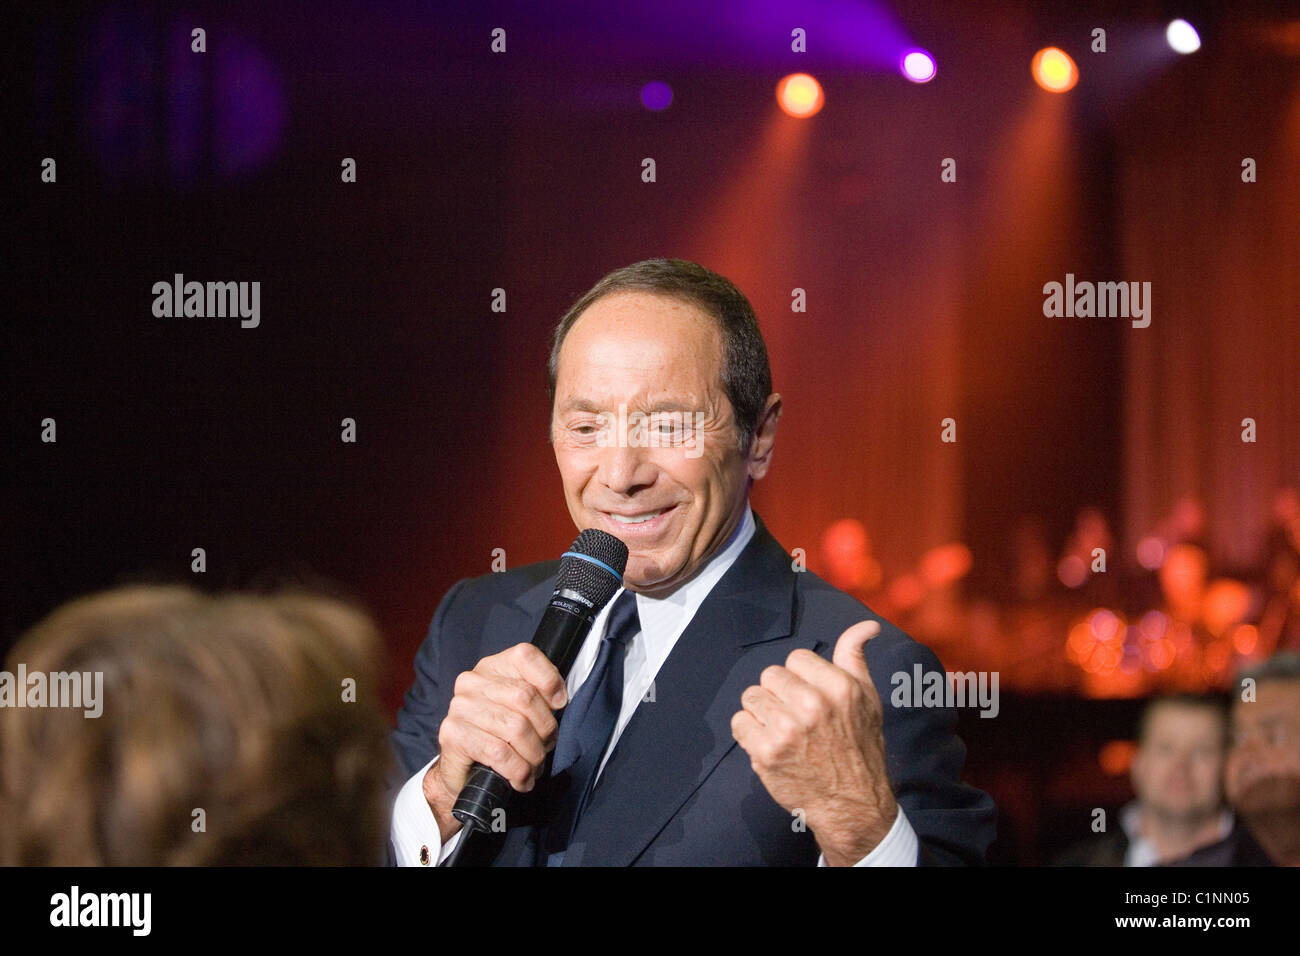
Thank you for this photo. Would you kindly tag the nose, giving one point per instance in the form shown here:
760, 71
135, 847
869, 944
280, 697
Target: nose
625, 468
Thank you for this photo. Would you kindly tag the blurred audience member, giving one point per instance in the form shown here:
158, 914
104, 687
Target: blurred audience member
1177, 773
233, 730
1262, 779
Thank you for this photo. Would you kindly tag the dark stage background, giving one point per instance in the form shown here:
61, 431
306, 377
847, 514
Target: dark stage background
522, 171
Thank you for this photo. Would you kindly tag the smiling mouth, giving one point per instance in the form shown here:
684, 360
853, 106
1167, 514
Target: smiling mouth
638, 519
641, 521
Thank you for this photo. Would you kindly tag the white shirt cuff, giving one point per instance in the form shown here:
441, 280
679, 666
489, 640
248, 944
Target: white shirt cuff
417, 841
899, 847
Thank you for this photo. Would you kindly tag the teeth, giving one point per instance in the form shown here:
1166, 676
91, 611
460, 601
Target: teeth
638, 520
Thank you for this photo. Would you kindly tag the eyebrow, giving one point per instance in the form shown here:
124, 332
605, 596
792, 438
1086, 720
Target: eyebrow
578, 405
668, 406
587, 405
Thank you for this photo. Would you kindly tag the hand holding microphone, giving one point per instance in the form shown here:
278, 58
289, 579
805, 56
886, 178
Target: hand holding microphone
501, 718
499, 725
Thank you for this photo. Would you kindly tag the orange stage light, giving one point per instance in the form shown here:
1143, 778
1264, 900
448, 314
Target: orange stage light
1244, 639
1054, 71
1226, 603
1116, 756
945, 564
800, 95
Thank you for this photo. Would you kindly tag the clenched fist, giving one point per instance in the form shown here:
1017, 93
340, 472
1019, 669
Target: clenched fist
501, 716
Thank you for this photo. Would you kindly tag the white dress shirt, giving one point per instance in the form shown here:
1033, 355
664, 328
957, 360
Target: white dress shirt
663, 620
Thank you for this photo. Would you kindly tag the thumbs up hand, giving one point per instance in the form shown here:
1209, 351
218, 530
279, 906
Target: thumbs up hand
813, 732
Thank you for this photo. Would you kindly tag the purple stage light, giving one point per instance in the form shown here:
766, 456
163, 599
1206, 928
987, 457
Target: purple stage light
656, 96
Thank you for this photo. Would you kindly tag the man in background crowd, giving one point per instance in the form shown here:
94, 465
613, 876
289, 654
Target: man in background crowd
1177, 776
1262, 778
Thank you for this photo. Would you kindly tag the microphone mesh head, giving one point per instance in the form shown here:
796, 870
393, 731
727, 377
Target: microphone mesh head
592, 581
603, 547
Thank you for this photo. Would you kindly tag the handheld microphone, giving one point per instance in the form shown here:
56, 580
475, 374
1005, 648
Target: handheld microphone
590, 573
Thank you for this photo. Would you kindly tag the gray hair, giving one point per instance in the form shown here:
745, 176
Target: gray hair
1283, 665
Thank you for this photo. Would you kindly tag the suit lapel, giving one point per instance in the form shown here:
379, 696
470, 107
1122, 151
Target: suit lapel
672, 743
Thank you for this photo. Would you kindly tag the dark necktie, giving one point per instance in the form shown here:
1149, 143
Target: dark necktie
587, 725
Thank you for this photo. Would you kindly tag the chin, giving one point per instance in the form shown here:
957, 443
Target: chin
648, 577
641, 572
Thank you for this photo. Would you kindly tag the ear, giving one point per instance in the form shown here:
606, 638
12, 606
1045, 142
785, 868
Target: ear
760, 449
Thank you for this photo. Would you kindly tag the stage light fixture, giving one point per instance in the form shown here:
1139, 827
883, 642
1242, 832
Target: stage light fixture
1054, 71
800, 95
918, 66
1182, 36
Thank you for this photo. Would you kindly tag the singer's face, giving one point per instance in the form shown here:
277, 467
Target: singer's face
644, 436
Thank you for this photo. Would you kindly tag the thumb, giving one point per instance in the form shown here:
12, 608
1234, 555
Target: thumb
848, 649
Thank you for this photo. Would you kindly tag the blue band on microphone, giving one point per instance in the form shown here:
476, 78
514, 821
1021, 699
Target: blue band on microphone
590, 560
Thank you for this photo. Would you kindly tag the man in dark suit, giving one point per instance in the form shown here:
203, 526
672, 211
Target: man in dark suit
740, 701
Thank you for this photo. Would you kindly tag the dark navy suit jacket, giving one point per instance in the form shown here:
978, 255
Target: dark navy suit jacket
677, 789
